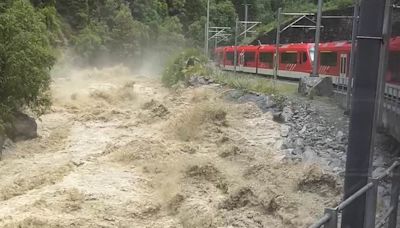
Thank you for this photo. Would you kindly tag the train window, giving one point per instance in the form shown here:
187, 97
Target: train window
249, 56
328, 59
289, 58
230, 56
266, 58
305, 58
394, 66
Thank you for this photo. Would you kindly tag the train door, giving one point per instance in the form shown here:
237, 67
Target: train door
343, 65
343, 70
241, 61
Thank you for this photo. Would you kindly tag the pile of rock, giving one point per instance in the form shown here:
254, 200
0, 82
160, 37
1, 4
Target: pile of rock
309, 137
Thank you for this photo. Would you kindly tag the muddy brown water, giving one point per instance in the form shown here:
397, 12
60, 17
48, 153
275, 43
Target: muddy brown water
119, 150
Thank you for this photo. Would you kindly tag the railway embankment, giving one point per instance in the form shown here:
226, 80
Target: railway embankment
313, 131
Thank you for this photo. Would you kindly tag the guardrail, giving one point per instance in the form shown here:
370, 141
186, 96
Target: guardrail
392, 98
331, 216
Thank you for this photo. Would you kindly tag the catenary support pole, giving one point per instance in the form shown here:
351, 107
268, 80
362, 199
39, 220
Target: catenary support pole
246, 18
207, 29
277, 43
363, 116
352, 54
236, 37
317, 38
384, 56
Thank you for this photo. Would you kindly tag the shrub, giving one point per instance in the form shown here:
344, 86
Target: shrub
25, 60
188, 63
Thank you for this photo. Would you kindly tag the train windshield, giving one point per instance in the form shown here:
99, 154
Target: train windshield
312, 51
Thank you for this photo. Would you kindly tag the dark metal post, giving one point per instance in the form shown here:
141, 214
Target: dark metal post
352, 54
384, 56
363, 116
235, 53
333, 221
277, 43
207, 29
246, 13
317, 38
394, 201
370, 209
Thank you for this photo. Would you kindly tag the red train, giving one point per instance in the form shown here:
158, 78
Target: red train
295, 60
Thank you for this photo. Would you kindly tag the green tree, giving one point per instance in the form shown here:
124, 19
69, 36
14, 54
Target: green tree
75, 12
25, 59
170, 38
127, 36
149, 10
90, 44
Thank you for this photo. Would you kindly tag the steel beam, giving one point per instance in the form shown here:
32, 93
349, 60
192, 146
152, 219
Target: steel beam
384, 56
298, 14
246, 11
394, 197
235, 52
352, 54
363, 118
317, 38
277, 43
207, 28
370, 208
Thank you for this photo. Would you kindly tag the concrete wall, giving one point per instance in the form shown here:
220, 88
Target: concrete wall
390, 121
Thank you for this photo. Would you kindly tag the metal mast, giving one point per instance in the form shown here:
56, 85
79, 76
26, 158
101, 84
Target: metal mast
277, 43
363, 113
207, 28
352, 54
317, 37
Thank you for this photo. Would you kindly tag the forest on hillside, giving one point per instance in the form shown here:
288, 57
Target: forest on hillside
32, 33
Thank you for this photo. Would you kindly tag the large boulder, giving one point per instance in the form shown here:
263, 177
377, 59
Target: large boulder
21, 127
318, 86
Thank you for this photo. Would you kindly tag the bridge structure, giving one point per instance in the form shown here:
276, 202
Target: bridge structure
374, 105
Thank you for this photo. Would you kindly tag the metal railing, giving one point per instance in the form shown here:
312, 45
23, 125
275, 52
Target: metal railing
392, 98
370, 190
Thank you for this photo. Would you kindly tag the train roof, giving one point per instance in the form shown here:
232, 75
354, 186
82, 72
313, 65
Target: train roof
335, 46
296, 47
267, 48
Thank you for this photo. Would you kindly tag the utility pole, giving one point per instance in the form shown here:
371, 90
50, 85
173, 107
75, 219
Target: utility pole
246, 17
352, 54
207, 28
363, 113
236, 37
277, 43
317, 38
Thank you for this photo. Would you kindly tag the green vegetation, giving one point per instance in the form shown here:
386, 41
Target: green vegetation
253, 84
245, 83
113, 31
25, 59
188, 63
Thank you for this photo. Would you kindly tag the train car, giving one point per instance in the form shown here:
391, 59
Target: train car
248, 59
219, 56
266, 55
393, 74
228, 58
334, 61
295, 60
